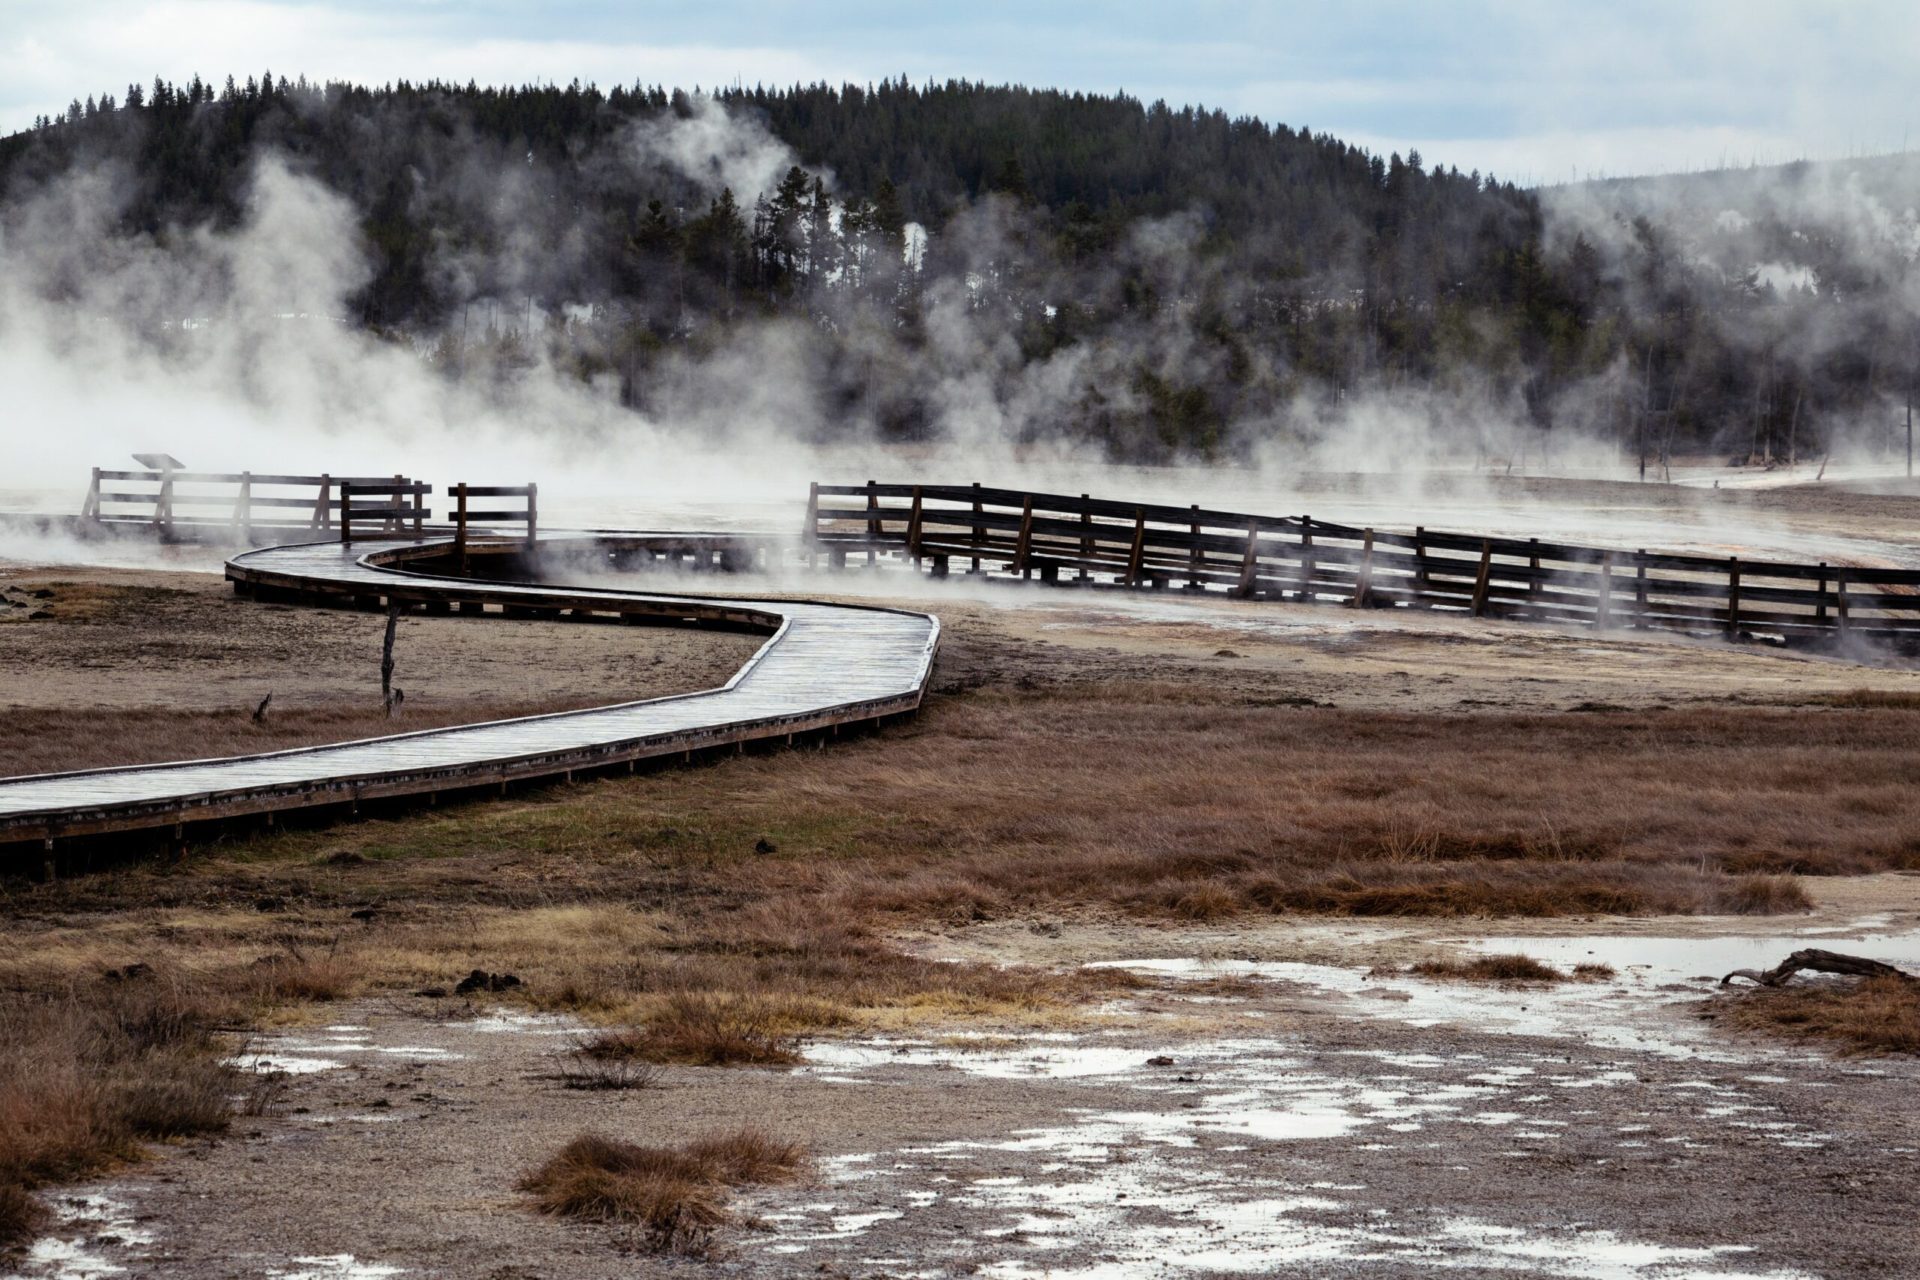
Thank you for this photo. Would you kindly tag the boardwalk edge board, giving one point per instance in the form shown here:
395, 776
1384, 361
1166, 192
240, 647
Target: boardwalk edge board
823, 666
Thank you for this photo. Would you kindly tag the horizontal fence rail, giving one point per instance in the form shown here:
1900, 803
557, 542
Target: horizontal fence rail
240, 500
1060, 537
463, 513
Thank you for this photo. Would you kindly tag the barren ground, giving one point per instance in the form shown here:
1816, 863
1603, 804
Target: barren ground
1093, 783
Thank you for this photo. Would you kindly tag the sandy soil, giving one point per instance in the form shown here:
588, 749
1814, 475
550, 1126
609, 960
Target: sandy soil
115, 666
1272, 654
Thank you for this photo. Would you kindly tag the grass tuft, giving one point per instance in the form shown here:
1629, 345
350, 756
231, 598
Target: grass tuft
88, 1073
1871, 1015
21, 1215
1761, 895
1502, 968
706, 1029
676, 1195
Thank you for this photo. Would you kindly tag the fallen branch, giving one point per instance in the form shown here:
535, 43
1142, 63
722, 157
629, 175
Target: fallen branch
1818, 962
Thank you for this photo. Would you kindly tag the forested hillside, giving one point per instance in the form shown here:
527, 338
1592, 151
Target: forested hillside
1162, 281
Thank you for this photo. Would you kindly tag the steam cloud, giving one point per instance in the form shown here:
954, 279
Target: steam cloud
233, 348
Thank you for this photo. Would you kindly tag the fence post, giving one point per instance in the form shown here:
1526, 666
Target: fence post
1419, 562
1733, 597
243, 506
873, 523
979, 533
1250, 561
346, 512
1363, 578
913, 528
420, 510
1840, 602
1640, 590
90, 509
1025, 542
1533, 575
1306, 559
460, 527
1484, 579
533, 514
1138, 553
1820, 596
1193, 552
811, 535
1603, 609
392, 524
1086, 540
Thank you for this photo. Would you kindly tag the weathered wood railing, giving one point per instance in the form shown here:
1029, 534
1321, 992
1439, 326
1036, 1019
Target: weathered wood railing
242, 501
1301, 558
397, 506
462, 513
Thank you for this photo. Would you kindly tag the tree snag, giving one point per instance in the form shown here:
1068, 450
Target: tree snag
386, 659
1819, 962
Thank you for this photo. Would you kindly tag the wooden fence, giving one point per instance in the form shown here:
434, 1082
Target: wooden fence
240, 501
463, 513
1299, 558
396, 505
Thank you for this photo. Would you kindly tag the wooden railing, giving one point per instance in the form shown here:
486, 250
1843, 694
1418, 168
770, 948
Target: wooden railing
243, 501
1300, 558
397, 505
463, 514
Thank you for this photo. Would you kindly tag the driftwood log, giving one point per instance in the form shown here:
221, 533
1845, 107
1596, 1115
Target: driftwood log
1819, 962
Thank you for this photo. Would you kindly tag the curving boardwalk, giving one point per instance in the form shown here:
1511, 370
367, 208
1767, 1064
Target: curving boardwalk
824, 665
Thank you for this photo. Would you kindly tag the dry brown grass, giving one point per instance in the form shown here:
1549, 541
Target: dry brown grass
21, 1215
1870, 1015
88, 1075
1500, 968
1898, 699
708, 1029
676, 1195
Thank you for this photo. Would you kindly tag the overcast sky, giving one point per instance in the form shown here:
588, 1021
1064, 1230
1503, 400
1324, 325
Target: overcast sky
1536, 92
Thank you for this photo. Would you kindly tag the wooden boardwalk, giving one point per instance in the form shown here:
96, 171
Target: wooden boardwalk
823, 666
